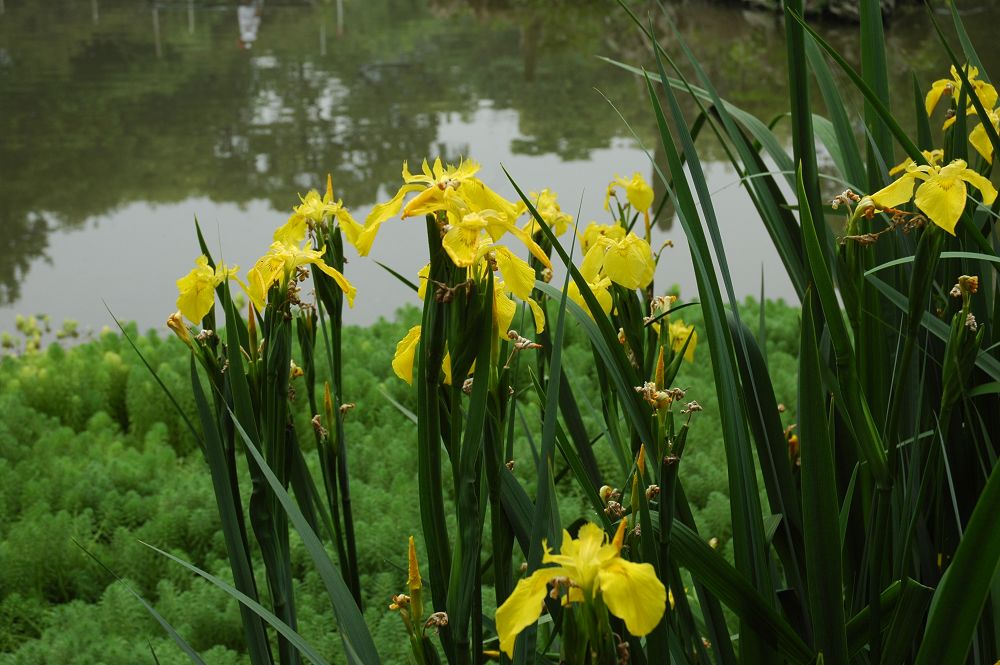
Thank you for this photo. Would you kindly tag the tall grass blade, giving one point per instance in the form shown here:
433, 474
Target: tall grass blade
731, 587
772, 451
803, 140
820, 512
748, 535
231, 516
864, 425
545, 520
286, 631
870, 95
359, 647
170, 630
875, 72
959, 599
428, 369
844, 148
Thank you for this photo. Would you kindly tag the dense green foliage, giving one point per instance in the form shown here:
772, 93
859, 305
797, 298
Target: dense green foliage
91, 451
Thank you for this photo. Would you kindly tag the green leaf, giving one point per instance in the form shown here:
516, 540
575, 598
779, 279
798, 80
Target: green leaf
959, 599
906, 600
231, 515
803, 140
772, 452
748, 536
402, 280
856, 405
545, 520
171, 631
875, 72
430, 354
871, 96
938, 328
820, 512
972, 256
732, 588
843, 144
924, 139
359, 647
286, 631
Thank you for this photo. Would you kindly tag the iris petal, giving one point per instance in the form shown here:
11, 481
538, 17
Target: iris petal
981, 183
406, 349
897, 193
633, 593
523, 607
942, 200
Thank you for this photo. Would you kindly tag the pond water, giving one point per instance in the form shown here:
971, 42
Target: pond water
121, 121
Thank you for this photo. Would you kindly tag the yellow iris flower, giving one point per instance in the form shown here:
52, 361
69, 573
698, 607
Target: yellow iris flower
548, 208
630, 591
987, 93
595, 232
941, 193
504, 309
468, 231
599, 287
517, 278
933, 158
279, 264
315, 209
406, 354
196, 290
435, 186
598, 284
679, 333
469, 242
637, 191
980, 140
628, 261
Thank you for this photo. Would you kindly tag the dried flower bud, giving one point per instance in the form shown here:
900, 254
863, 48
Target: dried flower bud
969, 283
691, 407
318, 427
605, 492
652, 492
176, 323
436, 621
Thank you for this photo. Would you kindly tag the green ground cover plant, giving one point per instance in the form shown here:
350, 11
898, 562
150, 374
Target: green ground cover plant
92, 452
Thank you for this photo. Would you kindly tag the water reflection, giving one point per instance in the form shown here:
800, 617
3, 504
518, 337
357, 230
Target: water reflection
120, 121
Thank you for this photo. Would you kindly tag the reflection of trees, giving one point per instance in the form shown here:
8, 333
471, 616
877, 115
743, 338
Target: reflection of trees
22, 240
